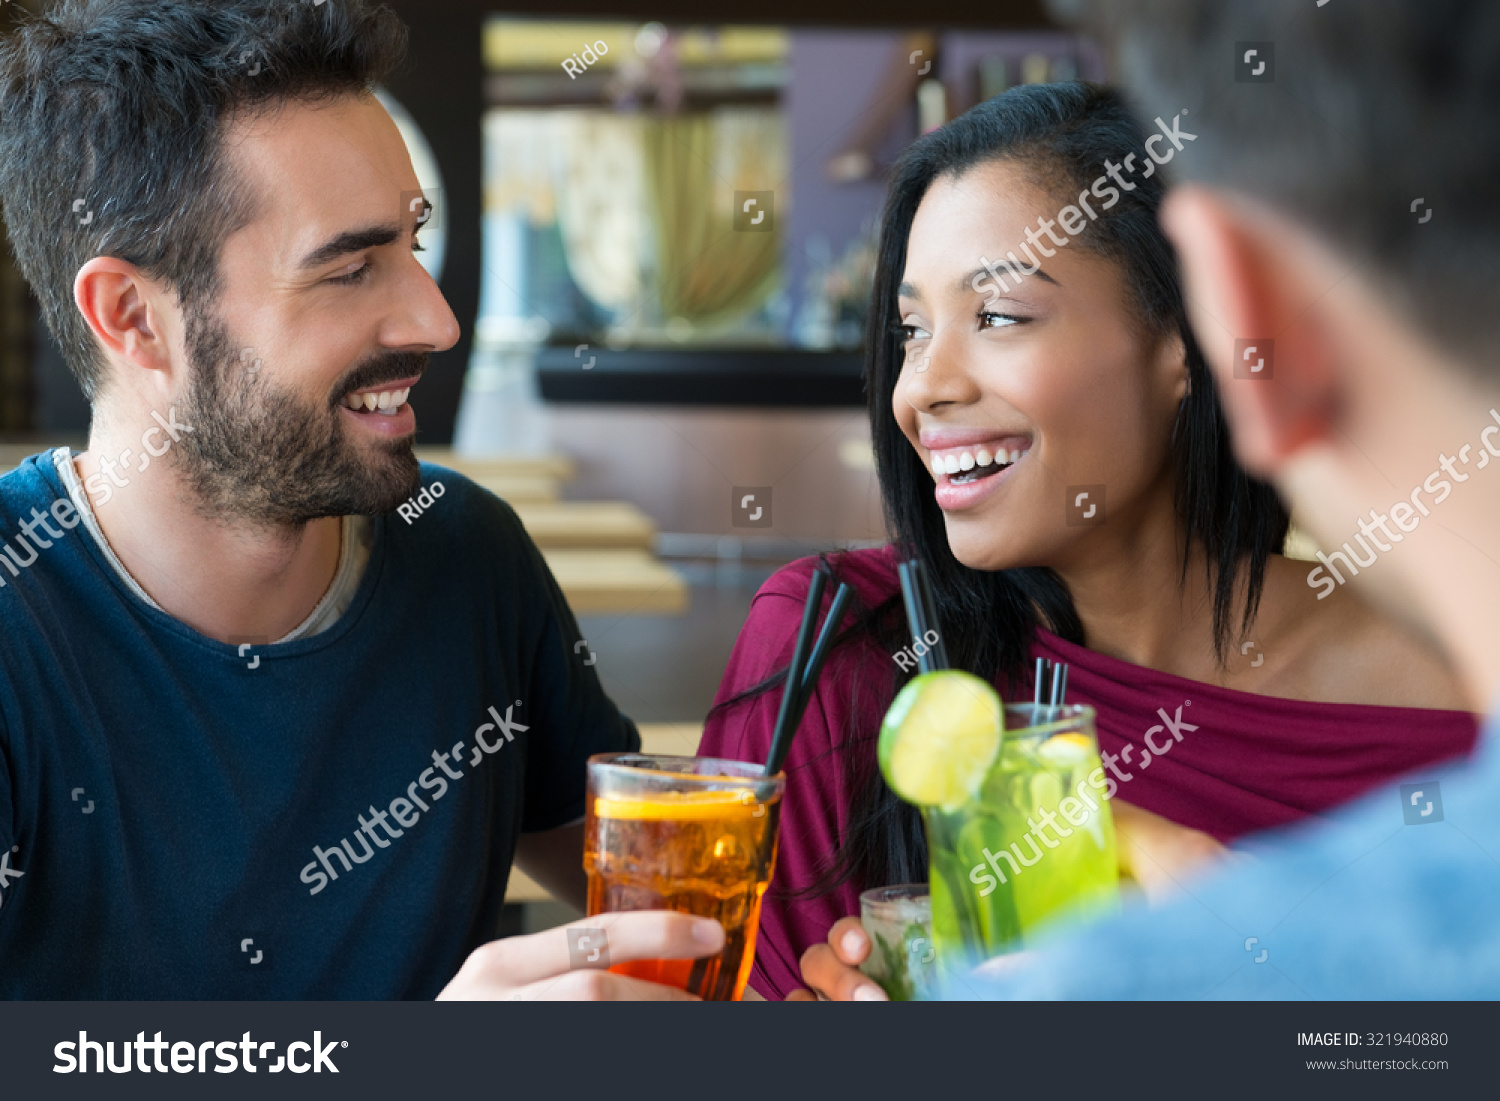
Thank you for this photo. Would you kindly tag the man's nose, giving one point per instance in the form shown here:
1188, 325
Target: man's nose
423, 317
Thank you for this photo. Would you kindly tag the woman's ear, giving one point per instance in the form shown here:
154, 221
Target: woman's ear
1173, 361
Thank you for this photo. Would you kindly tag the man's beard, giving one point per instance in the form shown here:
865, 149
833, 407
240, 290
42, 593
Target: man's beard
264, 455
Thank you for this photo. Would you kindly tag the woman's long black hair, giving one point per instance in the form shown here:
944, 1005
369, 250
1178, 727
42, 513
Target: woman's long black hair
1062, 133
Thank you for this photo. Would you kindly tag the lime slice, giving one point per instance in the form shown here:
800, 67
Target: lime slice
1065, 749
940, 738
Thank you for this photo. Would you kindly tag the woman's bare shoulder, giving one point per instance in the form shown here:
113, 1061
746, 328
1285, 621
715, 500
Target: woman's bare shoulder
1341, 649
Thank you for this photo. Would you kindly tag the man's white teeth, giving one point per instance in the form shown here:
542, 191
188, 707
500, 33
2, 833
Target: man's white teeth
387, 402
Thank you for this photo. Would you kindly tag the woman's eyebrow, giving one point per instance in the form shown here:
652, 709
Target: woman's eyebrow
1017, 271
964, 284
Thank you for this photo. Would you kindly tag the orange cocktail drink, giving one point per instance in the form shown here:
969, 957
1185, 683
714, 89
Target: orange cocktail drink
693, 834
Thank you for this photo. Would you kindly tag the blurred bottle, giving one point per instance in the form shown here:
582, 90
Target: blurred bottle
932, 105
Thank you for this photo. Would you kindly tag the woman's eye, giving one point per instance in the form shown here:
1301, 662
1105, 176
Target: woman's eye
911, 332
991, 320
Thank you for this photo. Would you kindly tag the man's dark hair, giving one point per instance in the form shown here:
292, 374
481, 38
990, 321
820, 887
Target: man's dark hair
1371, 106
112, 116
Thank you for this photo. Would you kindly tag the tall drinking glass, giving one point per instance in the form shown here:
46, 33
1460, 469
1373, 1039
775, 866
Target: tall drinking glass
693, 834
1038, 842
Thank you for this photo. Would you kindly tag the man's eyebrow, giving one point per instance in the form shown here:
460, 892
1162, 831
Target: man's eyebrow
350, 241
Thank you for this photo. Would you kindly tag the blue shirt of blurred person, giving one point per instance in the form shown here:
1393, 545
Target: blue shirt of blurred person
1395, 896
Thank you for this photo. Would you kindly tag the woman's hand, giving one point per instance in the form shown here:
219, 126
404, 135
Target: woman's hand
1159, 854
831, 970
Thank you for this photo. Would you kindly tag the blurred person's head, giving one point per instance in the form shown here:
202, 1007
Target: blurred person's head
1344, 206
1086, 367
210, 205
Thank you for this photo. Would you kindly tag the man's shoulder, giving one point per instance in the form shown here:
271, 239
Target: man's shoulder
457, 530
27, 486
455, 503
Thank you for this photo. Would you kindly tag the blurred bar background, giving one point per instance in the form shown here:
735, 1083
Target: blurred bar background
660, 254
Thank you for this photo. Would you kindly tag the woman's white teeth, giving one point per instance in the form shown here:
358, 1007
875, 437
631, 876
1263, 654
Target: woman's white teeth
973, 463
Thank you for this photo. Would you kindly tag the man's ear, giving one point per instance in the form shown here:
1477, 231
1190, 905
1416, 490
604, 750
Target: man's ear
1255, 311
119, 305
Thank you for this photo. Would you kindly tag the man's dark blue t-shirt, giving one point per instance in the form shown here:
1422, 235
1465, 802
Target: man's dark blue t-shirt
332, 817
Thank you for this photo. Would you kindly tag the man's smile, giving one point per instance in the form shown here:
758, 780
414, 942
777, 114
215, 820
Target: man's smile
386, 402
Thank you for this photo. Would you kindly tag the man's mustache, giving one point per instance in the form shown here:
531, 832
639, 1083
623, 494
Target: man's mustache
379, 370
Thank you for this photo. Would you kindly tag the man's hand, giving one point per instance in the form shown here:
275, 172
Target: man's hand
540, 968
832, 970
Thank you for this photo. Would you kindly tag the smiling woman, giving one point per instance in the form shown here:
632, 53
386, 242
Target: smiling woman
1052, 448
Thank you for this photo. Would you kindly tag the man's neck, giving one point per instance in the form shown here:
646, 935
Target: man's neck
1458, 582
228, 579
1421, 421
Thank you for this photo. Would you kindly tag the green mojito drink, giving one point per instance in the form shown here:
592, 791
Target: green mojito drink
1018, 829
902, 959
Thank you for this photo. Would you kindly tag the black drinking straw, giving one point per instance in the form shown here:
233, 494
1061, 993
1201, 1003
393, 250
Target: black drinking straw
820, 648
929, 615
812, 668
914, 615
1036, 694
790, 696
921, 615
